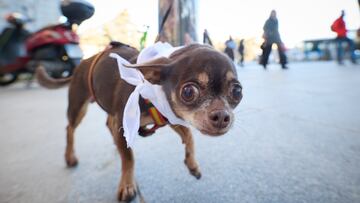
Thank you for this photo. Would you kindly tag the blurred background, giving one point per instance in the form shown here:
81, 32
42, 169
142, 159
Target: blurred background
296, 132
304, 25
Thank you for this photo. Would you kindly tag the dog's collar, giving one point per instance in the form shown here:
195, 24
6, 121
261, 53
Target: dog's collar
159, 119
153, 92
90, 76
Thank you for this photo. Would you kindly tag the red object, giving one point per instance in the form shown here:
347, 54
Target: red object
58, 35
53, 38
18, 64
339, 27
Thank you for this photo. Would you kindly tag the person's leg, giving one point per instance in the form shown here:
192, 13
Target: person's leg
265, 54
231, 54
340, 50
351, 49
242, 59
282, 56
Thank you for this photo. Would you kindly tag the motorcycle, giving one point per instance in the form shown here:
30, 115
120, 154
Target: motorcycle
55, 47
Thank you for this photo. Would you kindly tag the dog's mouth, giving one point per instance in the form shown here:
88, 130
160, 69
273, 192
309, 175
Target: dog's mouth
211, 131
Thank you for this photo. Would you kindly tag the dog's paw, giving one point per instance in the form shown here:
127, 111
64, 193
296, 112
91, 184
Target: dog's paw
71, 160
195, 172
127, 192
193, 169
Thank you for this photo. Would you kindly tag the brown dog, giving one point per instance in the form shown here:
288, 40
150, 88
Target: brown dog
200, 84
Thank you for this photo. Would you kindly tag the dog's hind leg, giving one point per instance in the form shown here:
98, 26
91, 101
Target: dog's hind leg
127, 186
187, 139
78, 102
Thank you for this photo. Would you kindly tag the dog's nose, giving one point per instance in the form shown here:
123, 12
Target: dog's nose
220, 118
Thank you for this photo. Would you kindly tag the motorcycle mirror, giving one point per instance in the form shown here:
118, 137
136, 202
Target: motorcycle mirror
29, 20
26, 14
63, 19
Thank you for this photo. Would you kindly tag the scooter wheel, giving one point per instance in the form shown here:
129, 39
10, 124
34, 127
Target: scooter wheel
8, 78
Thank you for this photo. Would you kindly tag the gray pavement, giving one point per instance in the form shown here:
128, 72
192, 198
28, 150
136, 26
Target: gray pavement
296, 139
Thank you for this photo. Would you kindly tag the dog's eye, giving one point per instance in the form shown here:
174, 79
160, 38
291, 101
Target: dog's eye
236, 92
190, 93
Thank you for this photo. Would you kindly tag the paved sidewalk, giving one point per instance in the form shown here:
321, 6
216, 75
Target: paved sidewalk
296, 139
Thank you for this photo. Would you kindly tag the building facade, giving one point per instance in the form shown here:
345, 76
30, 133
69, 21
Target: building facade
181, 25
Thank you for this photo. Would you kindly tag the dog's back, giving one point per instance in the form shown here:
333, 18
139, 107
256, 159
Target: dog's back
106, 81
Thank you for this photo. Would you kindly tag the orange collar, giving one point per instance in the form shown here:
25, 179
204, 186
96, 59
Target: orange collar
90, 76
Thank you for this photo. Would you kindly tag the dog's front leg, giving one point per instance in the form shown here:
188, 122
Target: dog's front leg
187, 139
127, 185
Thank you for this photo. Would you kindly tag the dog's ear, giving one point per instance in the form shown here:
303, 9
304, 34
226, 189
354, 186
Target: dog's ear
154, 71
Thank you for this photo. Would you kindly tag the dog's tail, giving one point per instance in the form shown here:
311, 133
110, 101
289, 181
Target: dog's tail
46, 81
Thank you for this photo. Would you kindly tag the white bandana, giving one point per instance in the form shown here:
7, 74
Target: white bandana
152, 92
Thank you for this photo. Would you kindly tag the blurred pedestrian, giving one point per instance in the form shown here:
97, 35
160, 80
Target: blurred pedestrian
229, 48
271, 35
241, 52
339, 27
206, 38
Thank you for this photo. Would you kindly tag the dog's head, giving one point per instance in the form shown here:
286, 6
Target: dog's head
201, 86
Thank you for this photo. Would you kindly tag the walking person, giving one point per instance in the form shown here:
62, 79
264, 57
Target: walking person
271, 36
229, 49
241, 52
339, 27
206, 38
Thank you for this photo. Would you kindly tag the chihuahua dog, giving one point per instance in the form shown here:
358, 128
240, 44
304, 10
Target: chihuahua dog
199, 82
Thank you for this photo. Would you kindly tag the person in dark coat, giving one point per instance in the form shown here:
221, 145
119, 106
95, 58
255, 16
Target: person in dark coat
271, 36
229, 48
241, 52
206, 38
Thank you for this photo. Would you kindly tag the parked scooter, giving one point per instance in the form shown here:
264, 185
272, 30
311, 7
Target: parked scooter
55, 47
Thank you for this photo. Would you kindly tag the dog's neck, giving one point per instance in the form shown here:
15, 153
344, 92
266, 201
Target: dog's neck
152, 92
